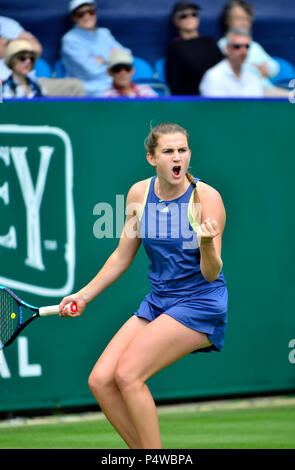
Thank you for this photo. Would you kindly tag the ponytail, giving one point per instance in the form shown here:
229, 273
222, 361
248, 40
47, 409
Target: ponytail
197, 209
192, 180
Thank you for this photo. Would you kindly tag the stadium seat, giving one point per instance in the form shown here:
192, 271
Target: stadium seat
286, 73
143, 69
160, 87
42, 69
160, 69
59, 69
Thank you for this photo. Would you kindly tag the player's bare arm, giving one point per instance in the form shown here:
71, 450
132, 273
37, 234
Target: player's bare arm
210, 231
119, 261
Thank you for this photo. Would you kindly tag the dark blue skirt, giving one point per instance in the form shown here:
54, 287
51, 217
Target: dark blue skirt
204, 311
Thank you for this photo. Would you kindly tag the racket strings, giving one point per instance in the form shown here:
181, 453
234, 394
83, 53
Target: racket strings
9, 316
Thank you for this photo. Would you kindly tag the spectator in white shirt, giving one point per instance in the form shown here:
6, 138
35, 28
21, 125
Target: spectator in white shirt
121, 69
230, 78
240, 14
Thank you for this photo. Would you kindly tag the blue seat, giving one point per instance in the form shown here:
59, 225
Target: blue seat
158, 86
160, 69
286, 72
59, 69
143, 69
42, 68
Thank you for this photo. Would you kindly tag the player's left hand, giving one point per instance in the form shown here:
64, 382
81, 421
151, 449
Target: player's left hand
207, 231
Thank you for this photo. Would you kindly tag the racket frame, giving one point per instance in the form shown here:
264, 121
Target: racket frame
39, 312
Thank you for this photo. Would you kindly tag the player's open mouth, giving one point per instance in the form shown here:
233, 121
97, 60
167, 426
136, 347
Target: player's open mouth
176, 170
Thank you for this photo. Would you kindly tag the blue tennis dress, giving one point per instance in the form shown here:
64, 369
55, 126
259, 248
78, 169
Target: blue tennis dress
168, 233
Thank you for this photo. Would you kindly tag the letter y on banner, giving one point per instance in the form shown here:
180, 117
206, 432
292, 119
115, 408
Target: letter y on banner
37, 225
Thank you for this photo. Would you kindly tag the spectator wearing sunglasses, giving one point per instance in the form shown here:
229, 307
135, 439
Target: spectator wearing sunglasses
20, 57
240, 14
230, 78
9, 30
190, 54
86, 48
121, 70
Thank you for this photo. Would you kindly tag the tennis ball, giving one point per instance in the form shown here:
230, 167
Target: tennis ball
13, 315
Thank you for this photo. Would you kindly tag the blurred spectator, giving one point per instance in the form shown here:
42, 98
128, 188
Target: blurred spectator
230, 78
11, 29
121, 70
86, 48
20, 57
191, 54
240, 14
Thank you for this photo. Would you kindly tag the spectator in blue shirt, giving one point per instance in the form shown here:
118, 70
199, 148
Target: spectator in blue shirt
86, 48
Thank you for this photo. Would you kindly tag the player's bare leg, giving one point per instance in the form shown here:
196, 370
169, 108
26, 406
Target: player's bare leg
104, 387
159, 344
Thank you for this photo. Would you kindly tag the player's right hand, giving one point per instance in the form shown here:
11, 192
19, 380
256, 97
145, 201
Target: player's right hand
64, 310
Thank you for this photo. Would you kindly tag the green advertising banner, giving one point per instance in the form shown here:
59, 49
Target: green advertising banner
65, 170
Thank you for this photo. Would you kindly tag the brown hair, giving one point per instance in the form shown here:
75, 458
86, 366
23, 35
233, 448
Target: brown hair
226, 12
151, 143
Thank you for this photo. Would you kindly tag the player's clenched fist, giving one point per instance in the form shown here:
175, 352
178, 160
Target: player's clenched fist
207, 231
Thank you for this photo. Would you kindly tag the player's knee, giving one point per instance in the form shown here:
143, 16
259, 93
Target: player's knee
125, 375
100, 380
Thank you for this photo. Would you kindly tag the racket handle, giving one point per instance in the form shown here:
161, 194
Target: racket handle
54, 309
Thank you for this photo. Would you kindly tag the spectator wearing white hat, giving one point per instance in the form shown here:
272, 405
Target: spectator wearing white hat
121, 69
11, 29
20, 57
86, 48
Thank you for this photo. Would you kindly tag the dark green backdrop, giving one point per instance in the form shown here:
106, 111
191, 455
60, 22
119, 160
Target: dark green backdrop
243, 149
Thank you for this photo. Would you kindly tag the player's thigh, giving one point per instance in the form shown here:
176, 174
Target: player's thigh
106, 364
161, 343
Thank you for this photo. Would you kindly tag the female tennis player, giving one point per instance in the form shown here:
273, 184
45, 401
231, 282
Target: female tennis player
186, 310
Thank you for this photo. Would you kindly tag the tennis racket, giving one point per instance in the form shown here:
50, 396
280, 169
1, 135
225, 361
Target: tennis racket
15, 315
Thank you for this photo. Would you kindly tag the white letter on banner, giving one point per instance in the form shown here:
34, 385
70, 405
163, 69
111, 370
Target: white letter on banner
4, 370
24, 368
8, 240
32, 198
